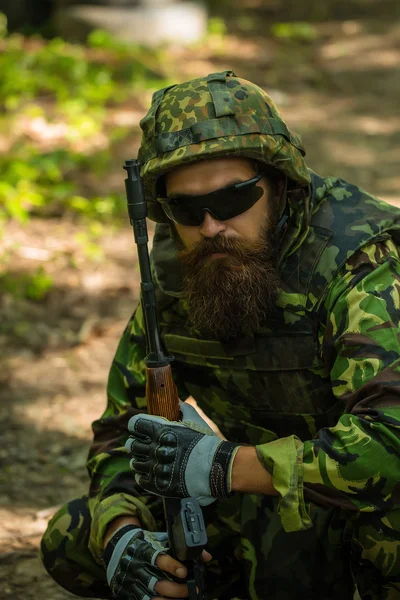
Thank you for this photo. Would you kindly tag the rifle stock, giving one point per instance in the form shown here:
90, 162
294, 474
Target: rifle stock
184, 517
161, 393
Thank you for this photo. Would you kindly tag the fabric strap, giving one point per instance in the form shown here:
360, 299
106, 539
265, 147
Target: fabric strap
215, 128
221, 97
148, 123
115, 539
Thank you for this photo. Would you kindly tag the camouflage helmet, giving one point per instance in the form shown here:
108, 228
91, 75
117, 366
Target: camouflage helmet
214, 116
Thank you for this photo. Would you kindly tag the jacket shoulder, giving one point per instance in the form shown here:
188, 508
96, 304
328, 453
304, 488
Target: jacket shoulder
345, 218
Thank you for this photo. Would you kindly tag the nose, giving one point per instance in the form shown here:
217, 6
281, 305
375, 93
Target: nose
211, 226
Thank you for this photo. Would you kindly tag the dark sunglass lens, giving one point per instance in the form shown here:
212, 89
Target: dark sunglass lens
191, 218
236, 202
184, 215
222, 204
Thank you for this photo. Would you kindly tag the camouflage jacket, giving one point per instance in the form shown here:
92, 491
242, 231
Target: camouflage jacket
316, 390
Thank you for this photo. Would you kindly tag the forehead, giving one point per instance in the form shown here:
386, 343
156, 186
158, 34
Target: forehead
208, 175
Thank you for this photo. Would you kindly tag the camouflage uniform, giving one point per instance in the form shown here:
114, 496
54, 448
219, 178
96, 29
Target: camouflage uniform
316, 389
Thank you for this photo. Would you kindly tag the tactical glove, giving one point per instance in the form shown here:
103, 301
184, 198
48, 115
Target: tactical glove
130, 556
180, 459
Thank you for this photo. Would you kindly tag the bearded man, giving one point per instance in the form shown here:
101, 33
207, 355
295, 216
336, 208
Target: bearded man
279, 296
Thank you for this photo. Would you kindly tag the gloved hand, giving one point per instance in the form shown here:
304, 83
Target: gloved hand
180, 459
132, 556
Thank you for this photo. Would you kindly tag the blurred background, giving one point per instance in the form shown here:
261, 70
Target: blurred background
76, 76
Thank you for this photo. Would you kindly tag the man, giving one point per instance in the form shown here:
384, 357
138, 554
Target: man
278, 295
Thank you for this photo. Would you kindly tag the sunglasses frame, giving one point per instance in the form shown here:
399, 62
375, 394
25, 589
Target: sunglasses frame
182, 198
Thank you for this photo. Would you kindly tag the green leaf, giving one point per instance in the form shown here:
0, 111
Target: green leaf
298, 31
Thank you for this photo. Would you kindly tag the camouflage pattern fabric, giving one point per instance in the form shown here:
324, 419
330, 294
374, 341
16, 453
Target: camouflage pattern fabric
316, 389
324, 416
315, 564
217, 115
65, 554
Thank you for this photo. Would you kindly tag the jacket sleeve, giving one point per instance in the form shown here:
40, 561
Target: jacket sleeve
113, 490
354, 465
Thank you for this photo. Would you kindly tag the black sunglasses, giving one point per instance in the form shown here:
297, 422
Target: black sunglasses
222, 204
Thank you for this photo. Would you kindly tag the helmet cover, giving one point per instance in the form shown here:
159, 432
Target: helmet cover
219, 115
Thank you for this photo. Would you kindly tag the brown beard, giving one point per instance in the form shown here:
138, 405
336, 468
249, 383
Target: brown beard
230, 296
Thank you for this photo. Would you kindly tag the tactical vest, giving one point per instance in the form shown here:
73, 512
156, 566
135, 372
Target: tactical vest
277, 382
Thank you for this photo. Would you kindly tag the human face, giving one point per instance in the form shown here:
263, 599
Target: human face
207, 176
230, 275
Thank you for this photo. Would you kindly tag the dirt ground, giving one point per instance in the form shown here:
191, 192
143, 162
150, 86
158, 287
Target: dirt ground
340, 91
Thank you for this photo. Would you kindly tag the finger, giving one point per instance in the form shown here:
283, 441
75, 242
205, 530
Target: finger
136, 437
206, 556
160, 536
169, 589
142, 467
166, 453
155, 427
166, 563
138, 447
143, 423
161, 476
188, 410
195, 418
190, 403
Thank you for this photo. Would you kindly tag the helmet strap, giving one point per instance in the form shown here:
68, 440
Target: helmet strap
283, 207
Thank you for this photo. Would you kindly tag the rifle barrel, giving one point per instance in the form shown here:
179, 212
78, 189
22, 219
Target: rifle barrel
184, 517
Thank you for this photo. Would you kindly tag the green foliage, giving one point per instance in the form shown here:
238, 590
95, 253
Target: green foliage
3, 26
30, 180
46, 184
101, 206
56, 98
216, 35
102, 73
299, 31
90, 248
217, 26
33, 286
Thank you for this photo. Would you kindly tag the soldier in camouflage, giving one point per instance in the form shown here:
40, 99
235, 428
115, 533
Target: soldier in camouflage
279, 296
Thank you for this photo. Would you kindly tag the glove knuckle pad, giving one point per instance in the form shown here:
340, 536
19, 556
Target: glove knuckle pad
166, 454
169, 439
163, 473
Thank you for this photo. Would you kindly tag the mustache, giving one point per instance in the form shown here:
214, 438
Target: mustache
235, 247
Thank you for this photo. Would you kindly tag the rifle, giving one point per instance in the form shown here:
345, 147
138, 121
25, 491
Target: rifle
184, 518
